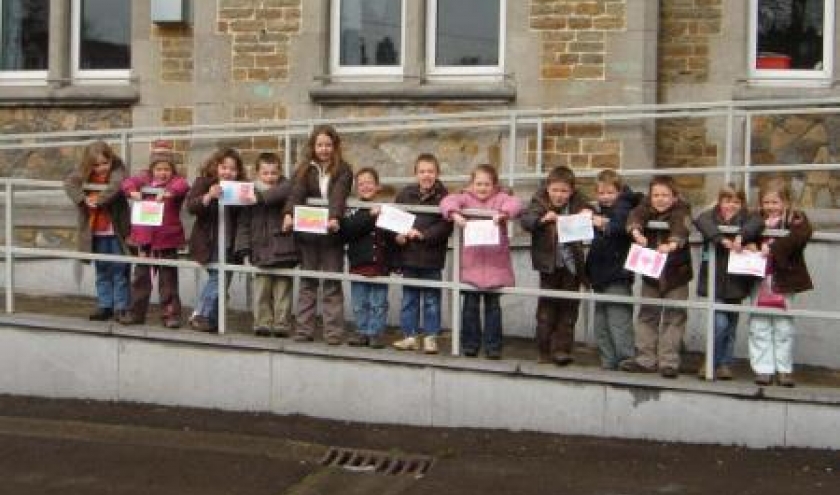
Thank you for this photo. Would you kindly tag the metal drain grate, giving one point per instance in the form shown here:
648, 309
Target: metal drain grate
371, 461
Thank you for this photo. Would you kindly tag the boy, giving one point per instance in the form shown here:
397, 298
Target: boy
366, 253
605, 269
561, 266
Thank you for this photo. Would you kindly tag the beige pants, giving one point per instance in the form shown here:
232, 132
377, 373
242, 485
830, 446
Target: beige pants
273, 305
659, 330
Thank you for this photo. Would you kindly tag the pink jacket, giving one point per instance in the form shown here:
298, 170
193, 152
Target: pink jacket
170, 235
485, 267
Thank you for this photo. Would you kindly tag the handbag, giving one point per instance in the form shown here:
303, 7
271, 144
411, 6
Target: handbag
767, 297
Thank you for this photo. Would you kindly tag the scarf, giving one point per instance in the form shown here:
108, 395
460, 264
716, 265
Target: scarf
99, 220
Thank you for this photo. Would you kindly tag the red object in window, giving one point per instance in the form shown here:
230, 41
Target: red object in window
772, 61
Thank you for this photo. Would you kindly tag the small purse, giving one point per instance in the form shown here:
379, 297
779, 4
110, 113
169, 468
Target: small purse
767, 297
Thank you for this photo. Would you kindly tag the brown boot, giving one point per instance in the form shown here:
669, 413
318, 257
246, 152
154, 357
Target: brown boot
785, 380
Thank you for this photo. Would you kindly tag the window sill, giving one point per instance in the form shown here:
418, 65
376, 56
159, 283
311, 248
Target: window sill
99, 95
336, 93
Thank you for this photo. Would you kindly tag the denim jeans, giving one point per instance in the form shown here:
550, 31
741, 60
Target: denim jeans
726, 324
112, 278
370, 307
412, 299
614, 326
208, 301
471, 322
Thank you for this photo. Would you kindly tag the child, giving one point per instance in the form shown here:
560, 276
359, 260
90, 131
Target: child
605, 269
771, 337
421, 254
366, 252
157, 242
203, 202
561, 266
730, 211
103, 224
485, 267
658, 345
259, 236
322, 174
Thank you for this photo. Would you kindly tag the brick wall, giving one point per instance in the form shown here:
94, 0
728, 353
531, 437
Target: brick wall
577, 145
574, 36
685, 29
176, 53
260, 31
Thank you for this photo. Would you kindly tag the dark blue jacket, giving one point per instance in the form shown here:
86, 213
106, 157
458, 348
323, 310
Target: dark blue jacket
609, 248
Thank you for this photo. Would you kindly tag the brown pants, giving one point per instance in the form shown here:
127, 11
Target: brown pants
327, 255
273, 309
556, 318
659, 331
141, 287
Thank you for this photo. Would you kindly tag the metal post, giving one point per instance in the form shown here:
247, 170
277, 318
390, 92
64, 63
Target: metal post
747, 152
512, 150
126, 150
222, 302
710, 312
456, 291
10, 269
539, 165
287, 154
727, 159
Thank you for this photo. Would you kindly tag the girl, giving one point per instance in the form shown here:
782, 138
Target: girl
658, 342
260, 238
421, 253
771, 337
730, 211
322, 174
103, 224
485, 267
203, 202
157, 242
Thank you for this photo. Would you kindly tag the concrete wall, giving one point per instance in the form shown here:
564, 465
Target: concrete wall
115, 364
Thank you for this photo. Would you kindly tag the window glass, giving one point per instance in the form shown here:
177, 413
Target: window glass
24, 36
467, 33
790, 34
105, 34
371, 33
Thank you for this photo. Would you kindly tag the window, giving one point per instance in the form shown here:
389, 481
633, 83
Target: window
791, 40
368, 37
24, 39
101, 39
466, 37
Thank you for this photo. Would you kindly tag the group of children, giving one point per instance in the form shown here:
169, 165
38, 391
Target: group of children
262, 234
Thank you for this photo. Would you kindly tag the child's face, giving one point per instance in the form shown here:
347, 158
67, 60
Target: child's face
366, 186
162, 172
426, 174
324, 148
607, 194
102, 165
728, 207
772, 204
226, 169
482, 185
268, 173
559, 193
662, 198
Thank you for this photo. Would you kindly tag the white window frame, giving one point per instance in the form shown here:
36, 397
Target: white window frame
89, 75
797, 77
470, 72
356, 71
22, 77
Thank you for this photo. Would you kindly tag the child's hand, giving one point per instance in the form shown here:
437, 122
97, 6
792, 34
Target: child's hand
159, 197
737, 244
136, 195
332, 225
727, 244
765, 250
500, 218
414, 235
665, 248
459, 220
401, 239
598, 222
549, 217
639, 239
91, 203
288, 223
374, 211
215, 191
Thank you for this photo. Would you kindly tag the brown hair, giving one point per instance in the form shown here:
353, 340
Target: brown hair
266, 157
91, 156
428, 158
162, 152
370, 171
731, 191
486, 168
777, 185
309, 151
610, 177
561, 173
664, 181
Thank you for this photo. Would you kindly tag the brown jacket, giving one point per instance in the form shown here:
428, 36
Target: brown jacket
430, 251
306, 185
678, 270
112, 198
203, 244
790, 274
259, 234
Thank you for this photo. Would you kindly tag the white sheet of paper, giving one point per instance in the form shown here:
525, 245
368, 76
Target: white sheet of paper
394, 219
573, 228
148, 213
311, 219
481, 233
747, 263
237, 193
645, 261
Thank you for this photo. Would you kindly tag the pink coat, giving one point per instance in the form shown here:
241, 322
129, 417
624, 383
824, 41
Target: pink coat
485, 267
170, 235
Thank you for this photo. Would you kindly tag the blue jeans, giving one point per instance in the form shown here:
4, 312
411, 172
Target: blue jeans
208, 301
726, 324
471, 322
112, 278
370, 307
411, 301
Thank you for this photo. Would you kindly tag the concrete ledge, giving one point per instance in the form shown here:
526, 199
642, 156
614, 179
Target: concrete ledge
65, 357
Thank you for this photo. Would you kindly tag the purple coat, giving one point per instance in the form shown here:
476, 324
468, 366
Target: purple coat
170, 235
485, 267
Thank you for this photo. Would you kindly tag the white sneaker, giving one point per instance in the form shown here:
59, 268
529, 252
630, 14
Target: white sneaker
406, 344
430, 344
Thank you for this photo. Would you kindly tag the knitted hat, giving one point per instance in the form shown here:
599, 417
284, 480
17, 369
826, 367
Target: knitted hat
161, 152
